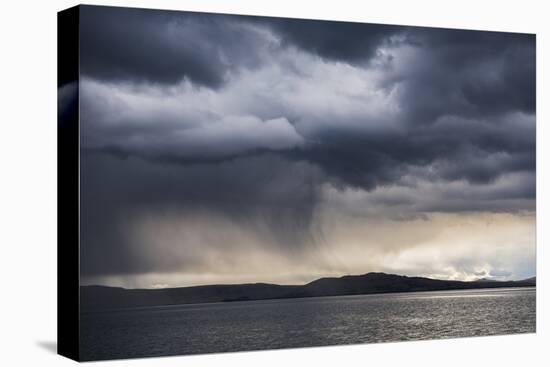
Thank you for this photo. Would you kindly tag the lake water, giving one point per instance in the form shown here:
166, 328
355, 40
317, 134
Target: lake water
305, 322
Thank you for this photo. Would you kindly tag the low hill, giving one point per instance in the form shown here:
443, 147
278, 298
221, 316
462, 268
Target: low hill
99, 298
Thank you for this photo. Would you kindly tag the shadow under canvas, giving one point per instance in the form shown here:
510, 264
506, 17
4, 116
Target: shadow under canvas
50, 346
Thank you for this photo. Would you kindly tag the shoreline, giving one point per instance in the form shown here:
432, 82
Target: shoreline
395, 293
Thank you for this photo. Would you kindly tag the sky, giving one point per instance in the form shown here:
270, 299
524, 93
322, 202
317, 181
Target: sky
232, 149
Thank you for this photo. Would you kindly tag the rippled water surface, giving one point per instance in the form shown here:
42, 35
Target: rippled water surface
287, 323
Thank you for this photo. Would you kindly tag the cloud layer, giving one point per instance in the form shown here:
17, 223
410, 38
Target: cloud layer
210, 141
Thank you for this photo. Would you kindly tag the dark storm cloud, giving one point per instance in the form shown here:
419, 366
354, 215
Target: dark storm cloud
339, 41
478, 151
418, 120
459, 97
270, 197
475, 78
467, 73
137, 45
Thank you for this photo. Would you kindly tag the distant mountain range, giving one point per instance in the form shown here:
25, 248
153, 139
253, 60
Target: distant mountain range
99, 298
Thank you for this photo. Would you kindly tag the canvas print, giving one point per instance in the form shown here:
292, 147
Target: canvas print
250, 183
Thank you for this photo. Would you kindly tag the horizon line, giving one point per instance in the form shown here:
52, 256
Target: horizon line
483, 278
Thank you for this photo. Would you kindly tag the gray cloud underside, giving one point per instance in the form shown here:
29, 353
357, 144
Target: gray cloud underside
271, 199
258, 119
449, 95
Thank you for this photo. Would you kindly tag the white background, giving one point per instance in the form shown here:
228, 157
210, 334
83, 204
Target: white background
28, 183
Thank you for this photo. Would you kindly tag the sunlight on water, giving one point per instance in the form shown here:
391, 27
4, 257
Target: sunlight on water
287, 323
